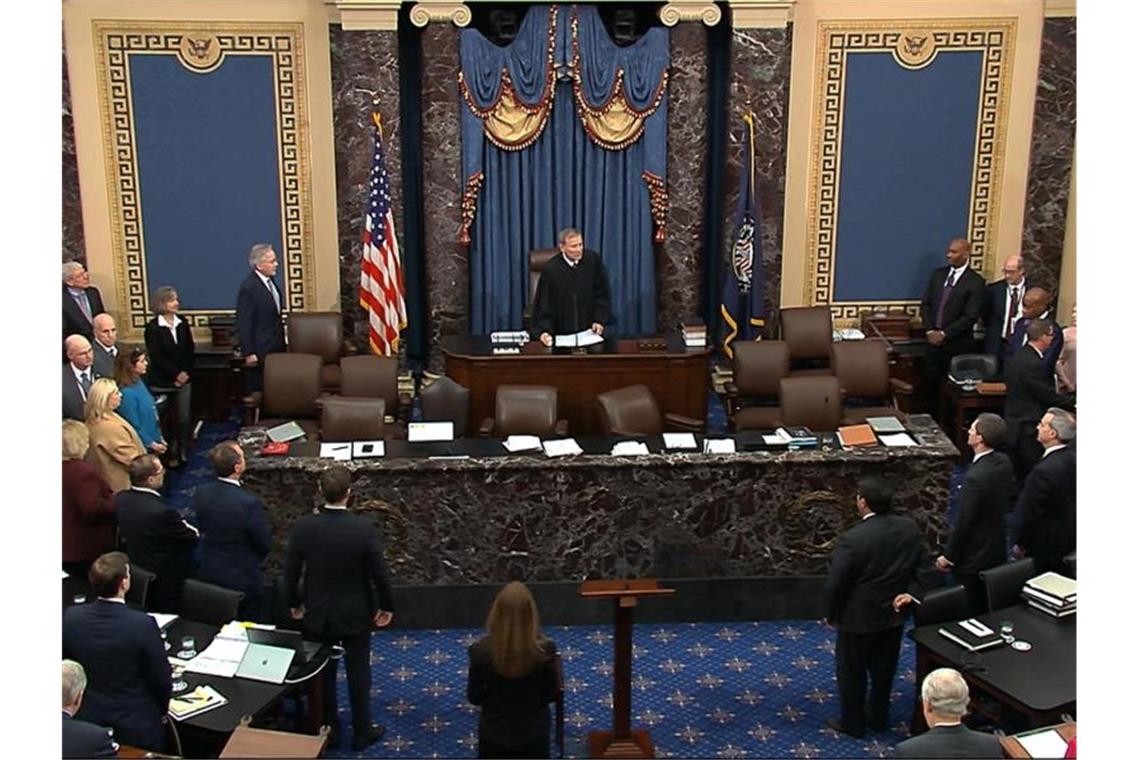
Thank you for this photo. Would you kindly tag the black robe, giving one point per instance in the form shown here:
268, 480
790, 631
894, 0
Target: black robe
570, 299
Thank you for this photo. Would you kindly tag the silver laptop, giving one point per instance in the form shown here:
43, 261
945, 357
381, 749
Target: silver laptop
431, 431
265, 663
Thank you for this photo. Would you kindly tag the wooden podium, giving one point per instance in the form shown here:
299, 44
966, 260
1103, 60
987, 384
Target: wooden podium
622, 741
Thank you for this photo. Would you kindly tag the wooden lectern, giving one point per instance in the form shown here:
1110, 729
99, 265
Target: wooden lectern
622, 741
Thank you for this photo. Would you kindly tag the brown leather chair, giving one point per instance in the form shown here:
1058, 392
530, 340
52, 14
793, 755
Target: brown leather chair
863, 369
320, 333
633, 411
536, 260
807, 331
291, 386
369, 376
445, 399
352, 419
524, 410
757, 368
814, 402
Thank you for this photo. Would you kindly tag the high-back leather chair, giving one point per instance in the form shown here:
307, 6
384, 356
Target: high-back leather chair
1003, 583
633, 411
207, 603
320, 333
943, 605
525, 410
291, 386
352, 419
807, 331
863, 369
757, 368
369, 376
982, 367
815, 402
141, 578
445, 399
536, 260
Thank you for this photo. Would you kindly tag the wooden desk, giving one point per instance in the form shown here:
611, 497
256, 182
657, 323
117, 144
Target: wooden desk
1011, 747
959, 408
678, 377
260, 742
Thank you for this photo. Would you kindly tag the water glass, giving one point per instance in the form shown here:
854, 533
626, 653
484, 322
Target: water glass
1006, 629
179, 683
187, 652
165, 643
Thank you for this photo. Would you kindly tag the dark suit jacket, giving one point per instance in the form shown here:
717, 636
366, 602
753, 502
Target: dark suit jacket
569, 299
1029, 389
515, 710
1049, 356
345, 577
977, 541
258, 322
83, 739
950, 741
235, 537
993, 313
75, 322
167, 358
88, 513
1045, 522
128, 677
961, 311
72, 395
156, 538
104, 362
876, 560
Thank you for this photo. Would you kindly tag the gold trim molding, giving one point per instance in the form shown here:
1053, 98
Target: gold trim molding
1060, 8
761, 14
689, 10
382, 15
427, 11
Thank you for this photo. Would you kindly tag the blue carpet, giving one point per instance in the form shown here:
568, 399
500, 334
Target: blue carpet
703, 690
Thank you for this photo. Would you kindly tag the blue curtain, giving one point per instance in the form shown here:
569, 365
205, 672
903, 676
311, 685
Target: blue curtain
562, 178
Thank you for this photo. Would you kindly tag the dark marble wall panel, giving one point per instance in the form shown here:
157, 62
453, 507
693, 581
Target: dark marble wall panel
365, 69
1051, 157
446, 263
678, 266
761, 70
73, 247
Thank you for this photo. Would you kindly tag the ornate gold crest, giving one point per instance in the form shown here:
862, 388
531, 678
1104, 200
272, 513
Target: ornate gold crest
201, 53
915, 48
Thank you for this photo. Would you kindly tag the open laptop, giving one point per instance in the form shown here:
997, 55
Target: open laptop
265, 663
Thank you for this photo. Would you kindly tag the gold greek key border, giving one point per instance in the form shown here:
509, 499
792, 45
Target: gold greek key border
994, 37
115, 42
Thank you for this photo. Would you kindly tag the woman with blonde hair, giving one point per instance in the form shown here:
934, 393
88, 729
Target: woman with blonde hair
114, 443
88, 511
513, 676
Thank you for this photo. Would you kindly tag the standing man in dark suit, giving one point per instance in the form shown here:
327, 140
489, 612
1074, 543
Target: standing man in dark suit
155, 534
1037, 307
1029, 391
259, 305
1045, 523
951, 305
875, 562
235, 534
105, 346
945, 699
977, 541
80, 738
81, 301
346, 594
573, 292
78, 375
1003, 306
122, 653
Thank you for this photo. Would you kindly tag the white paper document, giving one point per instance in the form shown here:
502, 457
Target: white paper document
578, 339
629, 449
367, 449
561, 447
162, 619
522, 443
775, 439
897, 439
720, 446
680, 440
1047, 743
341, 452
221, 658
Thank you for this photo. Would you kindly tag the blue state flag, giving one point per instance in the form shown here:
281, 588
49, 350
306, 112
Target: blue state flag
742, 295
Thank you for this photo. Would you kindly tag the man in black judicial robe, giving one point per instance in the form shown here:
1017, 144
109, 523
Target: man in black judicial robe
573, 292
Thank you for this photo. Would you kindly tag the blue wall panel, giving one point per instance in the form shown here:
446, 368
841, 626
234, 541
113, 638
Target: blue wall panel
905, 172
208, 172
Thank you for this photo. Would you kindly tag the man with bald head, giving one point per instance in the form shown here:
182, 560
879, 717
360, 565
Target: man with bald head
1003, 305
1036, 306
78, 374
105, 346
951, 305
81, 301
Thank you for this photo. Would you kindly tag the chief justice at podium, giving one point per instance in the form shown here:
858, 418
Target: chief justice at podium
573, 293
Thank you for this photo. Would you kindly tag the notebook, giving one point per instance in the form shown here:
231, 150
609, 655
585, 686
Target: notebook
885, 425
857, 435
972, 635
288, 432
265, 663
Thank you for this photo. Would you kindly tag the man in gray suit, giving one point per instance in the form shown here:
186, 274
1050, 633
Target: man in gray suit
78, 375
105, 346
945, 696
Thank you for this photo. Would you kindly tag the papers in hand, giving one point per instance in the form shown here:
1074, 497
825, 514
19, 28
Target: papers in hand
561, 447
202, 699
522, 443
341, 452
578, 339
680, 440
629, 448
897, 439
367, 449
720, 446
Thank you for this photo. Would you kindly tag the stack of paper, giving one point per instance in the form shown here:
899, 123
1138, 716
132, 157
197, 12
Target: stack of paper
367, 449
561, 447
720, 446
221, 658
629, 448
897, 439
1052, 594
515, 443
202, 699
680, 441
577, 340
340, 452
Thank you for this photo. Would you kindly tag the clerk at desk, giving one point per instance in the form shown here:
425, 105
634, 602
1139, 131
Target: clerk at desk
573, 292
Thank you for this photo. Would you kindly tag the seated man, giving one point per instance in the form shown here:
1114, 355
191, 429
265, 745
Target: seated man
80, 738
122, 653
945, 697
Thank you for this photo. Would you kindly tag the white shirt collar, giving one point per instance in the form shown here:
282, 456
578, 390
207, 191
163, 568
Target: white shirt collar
981, 454
1051, 449
264, 280
956, 272
115, 599
570, 263
1020, 286
869, 514
173, 325
231, 480
146, 490
335, 506
1035, 349
946, 723
80, 372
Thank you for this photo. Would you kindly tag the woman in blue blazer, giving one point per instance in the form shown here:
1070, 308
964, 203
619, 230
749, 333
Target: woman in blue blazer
138, 407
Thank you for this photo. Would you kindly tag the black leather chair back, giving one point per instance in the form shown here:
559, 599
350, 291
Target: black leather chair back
982, 367
207, 603
1003, 583
943, 605
141, 578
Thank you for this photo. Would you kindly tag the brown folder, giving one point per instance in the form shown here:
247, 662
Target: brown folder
857, 435
991, 389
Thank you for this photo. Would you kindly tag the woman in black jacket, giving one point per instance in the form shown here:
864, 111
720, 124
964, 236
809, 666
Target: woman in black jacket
513, 676
170, 347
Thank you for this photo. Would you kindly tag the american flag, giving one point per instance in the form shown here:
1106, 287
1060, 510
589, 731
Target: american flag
381, 277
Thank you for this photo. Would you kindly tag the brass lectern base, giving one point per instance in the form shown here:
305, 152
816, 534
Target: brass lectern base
603, 744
